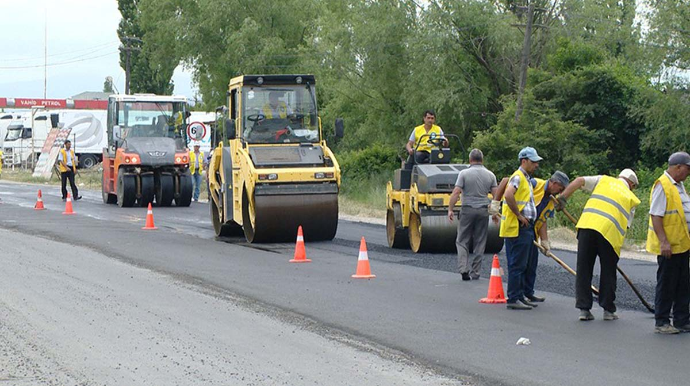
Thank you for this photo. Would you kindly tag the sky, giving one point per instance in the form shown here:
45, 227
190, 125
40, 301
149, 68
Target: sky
82, 49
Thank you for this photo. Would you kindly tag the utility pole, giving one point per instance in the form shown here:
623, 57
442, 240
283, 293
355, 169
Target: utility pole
524, 62
127, 48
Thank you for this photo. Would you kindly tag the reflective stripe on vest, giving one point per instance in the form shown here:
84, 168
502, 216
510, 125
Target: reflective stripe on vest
419, 131
608, 210
510, 226
675, 225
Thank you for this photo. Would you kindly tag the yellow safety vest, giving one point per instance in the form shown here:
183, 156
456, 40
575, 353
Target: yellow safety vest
64, 159
419, 131
510, 226
281, 108
609, 210
192, 161
675, 226
539, 195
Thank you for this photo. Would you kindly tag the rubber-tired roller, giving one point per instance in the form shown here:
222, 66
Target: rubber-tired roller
417, 207
272, 171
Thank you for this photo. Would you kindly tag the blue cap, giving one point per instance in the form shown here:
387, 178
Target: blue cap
530, 154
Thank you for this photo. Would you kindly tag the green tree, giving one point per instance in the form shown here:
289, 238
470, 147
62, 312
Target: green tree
108, 85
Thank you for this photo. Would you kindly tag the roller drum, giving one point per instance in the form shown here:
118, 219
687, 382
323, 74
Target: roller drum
276, 217
432, 232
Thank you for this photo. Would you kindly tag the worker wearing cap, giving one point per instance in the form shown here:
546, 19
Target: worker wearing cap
668, 238
67, 163
196, 167
601, 230
543, 190
417, 145
519, 214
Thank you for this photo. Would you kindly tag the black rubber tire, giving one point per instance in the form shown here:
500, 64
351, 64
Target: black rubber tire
126, 190
87, 161
494, 243
397, 235
165, 189
222, 228
108, 198
148, 190
184, 195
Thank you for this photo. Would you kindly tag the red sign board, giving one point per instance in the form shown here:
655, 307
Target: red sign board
49, 103
91, 105
3, 102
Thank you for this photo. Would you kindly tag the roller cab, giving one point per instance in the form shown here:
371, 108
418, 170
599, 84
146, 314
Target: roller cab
272, 171
146, 160
417, 203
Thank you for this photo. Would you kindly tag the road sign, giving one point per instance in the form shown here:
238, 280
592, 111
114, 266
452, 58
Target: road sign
196, 131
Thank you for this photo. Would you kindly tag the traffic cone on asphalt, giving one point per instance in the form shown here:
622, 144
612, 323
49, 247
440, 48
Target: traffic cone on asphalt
149, 219
68, 205
363, 268
300, 252
495, 294
39, 201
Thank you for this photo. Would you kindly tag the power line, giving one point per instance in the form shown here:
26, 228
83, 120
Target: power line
55, 64
91, 50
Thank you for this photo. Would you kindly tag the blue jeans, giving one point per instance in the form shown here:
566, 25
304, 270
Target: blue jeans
518, 253
531, 271
196, 181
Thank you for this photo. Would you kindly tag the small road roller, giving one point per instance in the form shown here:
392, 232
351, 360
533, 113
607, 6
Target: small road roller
146, 159
272, 170
417, 204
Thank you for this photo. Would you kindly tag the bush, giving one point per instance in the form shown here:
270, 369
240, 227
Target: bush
358, 165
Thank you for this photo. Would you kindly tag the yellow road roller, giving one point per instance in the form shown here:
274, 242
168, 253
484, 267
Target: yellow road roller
417, 204
272, 171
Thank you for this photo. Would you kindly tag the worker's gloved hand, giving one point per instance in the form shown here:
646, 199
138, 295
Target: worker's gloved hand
494, 207
546, 245
561, 203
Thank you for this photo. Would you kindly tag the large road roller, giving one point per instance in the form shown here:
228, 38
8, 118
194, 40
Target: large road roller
417, 204
146, 160
272, 171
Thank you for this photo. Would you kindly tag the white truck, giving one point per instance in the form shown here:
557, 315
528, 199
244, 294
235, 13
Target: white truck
24, 137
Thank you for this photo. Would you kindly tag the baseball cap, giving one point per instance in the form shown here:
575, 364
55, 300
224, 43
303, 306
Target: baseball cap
560, 177
530, 154
197, 143
630, 175
679, 158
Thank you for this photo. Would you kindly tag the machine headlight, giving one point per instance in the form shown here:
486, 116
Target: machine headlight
268, 177
321, 175
178, 159
298, 80
260, 80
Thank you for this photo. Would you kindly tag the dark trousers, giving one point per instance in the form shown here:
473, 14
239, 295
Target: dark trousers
531, 271
672, 290
518, 252
591, 244
421, 157
69, 175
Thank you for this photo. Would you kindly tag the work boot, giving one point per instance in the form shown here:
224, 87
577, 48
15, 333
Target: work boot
610, 315
528, 303
474, 277
666, 329
585, 315
465, 276
77, 198
535, 299
518, 306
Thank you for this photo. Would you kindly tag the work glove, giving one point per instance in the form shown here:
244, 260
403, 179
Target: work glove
494, 207
546, 245
561, 203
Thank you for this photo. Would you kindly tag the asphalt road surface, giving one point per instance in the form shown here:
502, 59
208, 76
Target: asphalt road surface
93, 299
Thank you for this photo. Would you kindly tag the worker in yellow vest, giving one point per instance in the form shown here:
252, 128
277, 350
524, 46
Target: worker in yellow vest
418, 148
275, 108
543, 191
668, 238
601, 230
519, 213
196, 167
67, 163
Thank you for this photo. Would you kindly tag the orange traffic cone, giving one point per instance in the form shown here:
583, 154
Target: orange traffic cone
495, 294
149, 219
39, 201
68, 205
363, 268
300, 253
